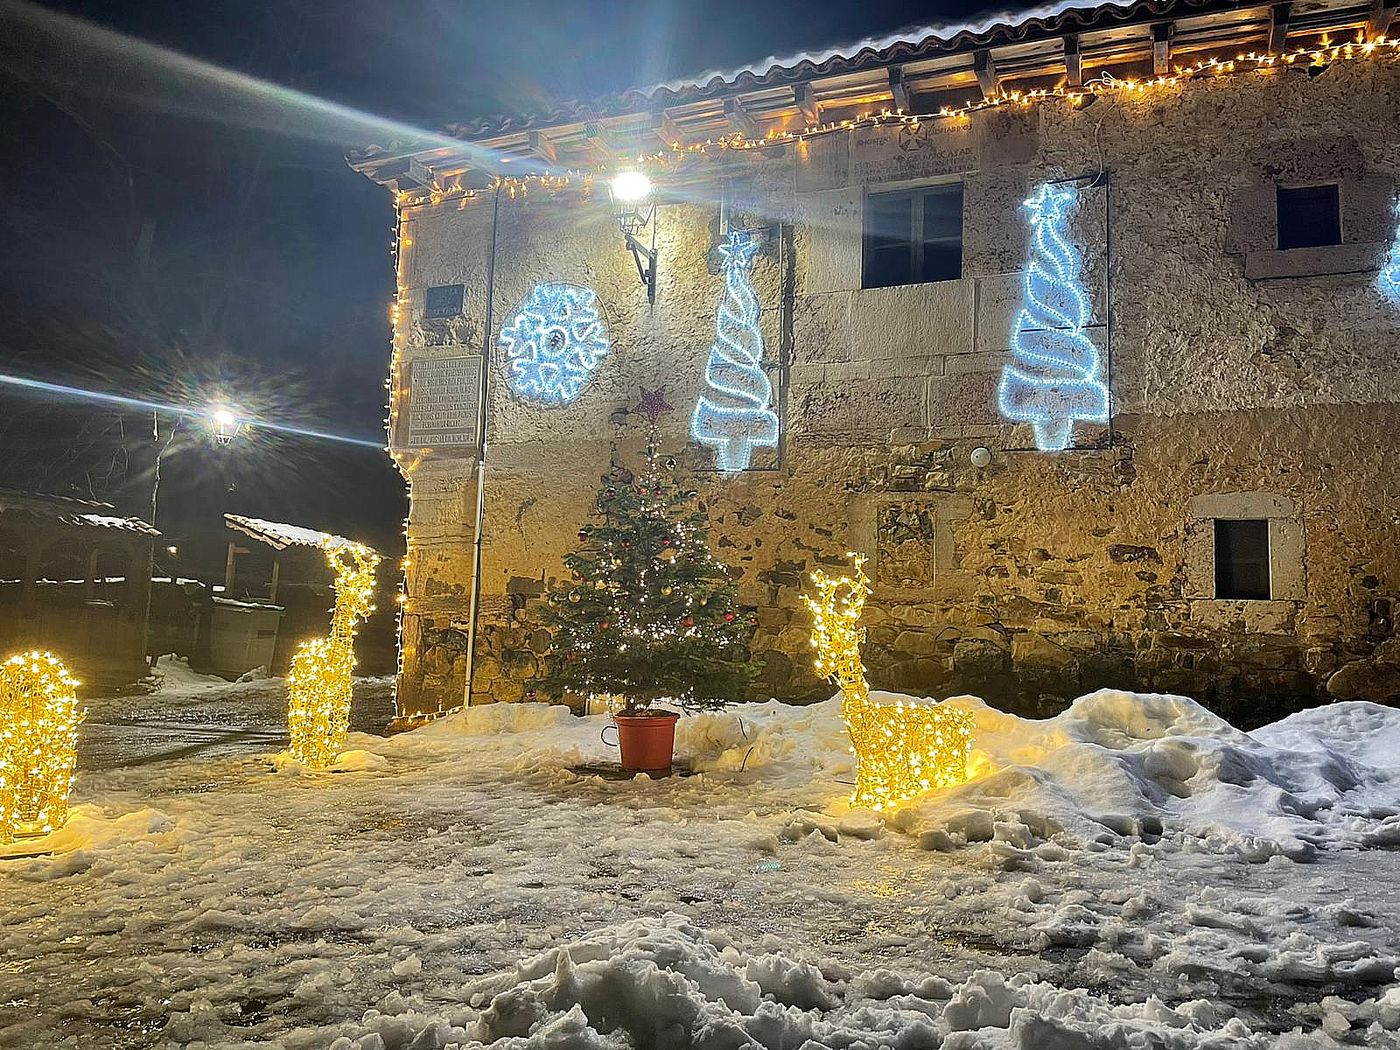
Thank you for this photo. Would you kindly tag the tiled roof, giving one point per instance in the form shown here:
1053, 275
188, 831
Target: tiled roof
1051, 20
72, 511
281, 536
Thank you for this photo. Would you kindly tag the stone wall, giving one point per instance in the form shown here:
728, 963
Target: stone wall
1245, 382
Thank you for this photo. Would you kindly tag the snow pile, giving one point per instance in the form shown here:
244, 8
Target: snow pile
1119, 764
173, 674
663, 982
1114, 766
353, 760
1362, 731
87, 833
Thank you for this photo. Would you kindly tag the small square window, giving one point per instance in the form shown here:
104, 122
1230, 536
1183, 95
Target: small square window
1242, 559
445, 300
913, 237
1309, 216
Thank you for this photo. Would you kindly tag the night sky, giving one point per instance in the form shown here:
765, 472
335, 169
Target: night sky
173, 234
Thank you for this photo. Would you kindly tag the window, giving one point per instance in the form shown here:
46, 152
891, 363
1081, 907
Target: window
444, 300
913, 237
1309, 216
1242, 558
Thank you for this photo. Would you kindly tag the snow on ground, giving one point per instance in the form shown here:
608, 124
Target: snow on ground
1132, 873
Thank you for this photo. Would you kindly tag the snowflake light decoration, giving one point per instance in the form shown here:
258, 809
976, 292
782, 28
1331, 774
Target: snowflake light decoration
554, 342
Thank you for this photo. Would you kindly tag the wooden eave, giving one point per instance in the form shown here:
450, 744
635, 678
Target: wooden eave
783, 98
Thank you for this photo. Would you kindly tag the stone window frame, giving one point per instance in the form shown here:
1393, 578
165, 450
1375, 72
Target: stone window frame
1287, 546
1364, 199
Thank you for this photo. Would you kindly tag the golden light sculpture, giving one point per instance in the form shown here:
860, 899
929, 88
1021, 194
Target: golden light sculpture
322, 675
902, 749
39, 719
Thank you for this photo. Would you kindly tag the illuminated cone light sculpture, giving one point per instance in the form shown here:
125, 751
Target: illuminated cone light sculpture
736, 415
39, 719
322, 675
1056, 378
902, 749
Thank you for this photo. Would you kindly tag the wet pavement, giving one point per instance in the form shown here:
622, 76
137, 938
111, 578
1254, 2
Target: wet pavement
251, 718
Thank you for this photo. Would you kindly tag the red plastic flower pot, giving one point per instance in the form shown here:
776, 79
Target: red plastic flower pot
647, 740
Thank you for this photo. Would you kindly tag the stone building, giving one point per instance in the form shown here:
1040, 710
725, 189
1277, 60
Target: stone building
1222, 519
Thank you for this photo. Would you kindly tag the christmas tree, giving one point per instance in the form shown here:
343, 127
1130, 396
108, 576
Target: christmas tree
1055, 379
738, 413
649, 613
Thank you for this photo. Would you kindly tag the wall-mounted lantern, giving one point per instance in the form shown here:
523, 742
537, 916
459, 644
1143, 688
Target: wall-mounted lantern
635, 209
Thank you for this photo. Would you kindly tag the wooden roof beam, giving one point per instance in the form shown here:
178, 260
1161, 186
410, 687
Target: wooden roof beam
898, 90
1278, 27
986, 69
739, 120
1383, 12
1162, 33
1074, 63
597, 139
807, 104
420, 173
542, 146
666, 129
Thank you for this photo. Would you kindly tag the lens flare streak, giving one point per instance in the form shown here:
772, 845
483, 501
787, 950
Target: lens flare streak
40, 386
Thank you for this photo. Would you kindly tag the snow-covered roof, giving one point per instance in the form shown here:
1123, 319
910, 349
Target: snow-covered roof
280, 535
69, 510
926, 66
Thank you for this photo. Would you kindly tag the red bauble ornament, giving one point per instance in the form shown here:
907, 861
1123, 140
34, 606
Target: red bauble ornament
583, 535
602, 625
667, 542
729, 617
689, 621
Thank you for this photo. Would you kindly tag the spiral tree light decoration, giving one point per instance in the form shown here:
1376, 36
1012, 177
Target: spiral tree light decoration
39, 719
737, 414
902, 749
1056, 377
322, 675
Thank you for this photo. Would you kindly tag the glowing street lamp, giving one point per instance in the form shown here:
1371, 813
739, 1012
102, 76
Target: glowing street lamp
634, 208
224, 424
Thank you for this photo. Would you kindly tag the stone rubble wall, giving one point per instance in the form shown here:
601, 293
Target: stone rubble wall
1246, 383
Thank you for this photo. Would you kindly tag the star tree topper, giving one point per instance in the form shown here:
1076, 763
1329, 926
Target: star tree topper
653, 404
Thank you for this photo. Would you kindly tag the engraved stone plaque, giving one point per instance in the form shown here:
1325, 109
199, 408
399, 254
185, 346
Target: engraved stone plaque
443, 402
910, 151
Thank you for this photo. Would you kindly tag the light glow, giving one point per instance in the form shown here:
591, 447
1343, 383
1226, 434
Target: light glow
41, 386
741, 415
39, 719
224, 423
1056, 376
554, 342
630, 186
321, 679
902, 749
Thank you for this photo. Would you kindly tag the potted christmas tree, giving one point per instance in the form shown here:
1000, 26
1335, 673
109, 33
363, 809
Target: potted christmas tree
649, 614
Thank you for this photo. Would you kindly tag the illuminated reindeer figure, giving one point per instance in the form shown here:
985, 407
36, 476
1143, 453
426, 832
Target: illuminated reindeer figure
321, 679
39, 719
902, 749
